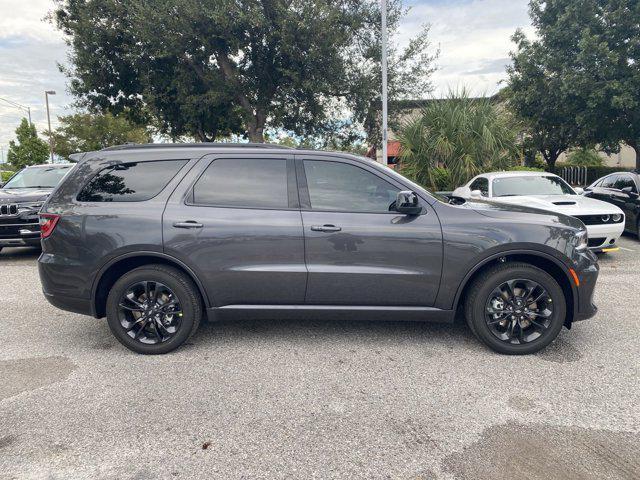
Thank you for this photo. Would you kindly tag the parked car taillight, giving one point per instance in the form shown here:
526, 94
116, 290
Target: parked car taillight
48, 222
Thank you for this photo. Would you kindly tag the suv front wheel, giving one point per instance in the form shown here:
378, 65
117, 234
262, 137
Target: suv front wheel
153, 309
515, 308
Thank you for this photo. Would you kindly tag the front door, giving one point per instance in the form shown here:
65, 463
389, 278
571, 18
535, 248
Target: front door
357, 249
235, 221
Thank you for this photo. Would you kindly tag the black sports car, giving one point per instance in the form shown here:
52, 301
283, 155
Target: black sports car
621, 189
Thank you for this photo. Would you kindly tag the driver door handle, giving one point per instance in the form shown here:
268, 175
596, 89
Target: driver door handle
325, 228
188, 224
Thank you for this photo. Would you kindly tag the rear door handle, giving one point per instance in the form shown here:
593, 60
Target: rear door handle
325, 228
188, 224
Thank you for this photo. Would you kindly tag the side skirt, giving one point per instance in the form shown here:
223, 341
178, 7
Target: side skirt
330, 312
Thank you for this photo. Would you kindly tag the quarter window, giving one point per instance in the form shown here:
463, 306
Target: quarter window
130, 182
234, 182
343, 187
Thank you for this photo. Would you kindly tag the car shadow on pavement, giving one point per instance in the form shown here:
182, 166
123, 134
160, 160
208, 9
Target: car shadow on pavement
19, 253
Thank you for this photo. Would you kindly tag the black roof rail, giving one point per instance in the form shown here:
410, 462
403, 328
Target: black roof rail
128, 146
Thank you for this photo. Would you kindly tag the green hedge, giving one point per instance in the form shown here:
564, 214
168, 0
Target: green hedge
5, 175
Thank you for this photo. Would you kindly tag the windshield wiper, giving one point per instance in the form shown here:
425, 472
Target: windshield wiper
507, 195
30, 186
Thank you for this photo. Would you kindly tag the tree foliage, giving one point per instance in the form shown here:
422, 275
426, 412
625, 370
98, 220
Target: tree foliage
85, 132
28, 148
463, 135
586, 60
213, 69
584, 157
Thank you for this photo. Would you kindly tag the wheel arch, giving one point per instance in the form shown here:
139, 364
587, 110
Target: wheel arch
545, 262
115, 268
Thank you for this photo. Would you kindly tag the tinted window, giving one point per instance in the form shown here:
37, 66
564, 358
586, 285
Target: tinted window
344, 187
130, 182
530, 185
39, 177
481, 184
610, 181
625, 181
237, 182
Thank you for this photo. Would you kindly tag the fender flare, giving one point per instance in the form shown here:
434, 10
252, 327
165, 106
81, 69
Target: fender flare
146, 253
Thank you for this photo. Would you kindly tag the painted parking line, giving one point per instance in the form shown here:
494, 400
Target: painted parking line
627, 249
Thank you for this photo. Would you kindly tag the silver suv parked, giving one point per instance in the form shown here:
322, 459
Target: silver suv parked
156, 237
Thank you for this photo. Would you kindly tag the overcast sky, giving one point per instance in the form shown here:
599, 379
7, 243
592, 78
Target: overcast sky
473, 36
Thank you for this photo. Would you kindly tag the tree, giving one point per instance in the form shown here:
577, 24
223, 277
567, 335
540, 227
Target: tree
536, 95
29, 148
213, 69
455, 138
584, 157
590, 53
85, 132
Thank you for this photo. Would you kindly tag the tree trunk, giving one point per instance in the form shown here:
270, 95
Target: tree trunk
255, 127
551, 157
635, 144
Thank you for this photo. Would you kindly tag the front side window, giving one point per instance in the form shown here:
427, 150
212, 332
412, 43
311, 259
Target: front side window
530, 185
38, 177
236, 182
481, 184
130, 182
610, 181
343, 187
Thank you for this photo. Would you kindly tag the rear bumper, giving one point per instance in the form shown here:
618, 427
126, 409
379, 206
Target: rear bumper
60, 284
70, 304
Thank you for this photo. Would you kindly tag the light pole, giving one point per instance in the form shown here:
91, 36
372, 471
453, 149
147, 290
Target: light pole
46, 96
384, 80
21, 107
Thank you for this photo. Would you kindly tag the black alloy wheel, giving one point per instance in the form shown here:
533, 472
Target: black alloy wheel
515, 308
519, 311
154, 309
149, 312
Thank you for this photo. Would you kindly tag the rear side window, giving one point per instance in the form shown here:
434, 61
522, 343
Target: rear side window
130, 182
238, 182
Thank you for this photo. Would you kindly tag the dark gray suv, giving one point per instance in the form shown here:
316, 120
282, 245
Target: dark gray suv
156, 237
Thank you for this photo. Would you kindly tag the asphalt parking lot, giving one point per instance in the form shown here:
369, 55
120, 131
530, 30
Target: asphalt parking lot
300, 399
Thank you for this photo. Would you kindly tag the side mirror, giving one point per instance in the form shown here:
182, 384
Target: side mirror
579, 190
407, 203
629, 191
476, 194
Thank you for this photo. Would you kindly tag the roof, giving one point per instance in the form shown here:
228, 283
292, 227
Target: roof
49, 165
516, 173
129, 146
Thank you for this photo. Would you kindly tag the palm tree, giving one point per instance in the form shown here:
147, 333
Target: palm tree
455, 138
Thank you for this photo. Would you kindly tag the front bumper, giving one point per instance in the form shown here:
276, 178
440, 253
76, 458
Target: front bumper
19, 232
584, 306
604, 236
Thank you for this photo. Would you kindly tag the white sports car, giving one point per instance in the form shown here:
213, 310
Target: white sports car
604, 222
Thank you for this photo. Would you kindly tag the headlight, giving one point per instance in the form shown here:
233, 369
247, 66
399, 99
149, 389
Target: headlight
581, 240
604, 218
616, 217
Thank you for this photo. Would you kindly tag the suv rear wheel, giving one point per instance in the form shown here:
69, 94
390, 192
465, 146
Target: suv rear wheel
515, 308
153, 309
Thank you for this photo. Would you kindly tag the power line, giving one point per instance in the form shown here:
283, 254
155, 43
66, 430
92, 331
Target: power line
18, 105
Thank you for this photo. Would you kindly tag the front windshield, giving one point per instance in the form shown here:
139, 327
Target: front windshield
41, 177
530, 185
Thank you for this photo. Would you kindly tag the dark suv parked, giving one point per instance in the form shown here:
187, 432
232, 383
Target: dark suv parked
20, 200
154, 237
623, 190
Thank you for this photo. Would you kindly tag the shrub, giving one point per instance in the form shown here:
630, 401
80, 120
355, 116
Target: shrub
584, 157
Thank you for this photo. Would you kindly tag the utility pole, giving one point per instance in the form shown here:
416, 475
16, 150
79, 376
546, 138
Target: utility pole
46, 96
384, 80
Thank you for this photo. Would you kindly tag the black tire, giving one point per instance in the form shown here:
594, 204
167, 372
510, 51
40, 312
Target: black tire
180, 286
481, 291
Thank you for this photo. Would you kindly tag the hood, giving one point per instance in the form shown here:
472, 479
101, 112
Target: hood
23, 195
567, 204
516, 212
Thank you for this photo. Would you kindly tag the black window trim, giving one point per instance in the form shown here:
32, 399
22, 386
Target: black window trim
292, 194
303, 188
113, 163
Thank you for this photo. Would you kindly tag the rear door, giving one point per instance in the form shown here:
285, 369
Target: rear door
358, 252
235, 221
627, 203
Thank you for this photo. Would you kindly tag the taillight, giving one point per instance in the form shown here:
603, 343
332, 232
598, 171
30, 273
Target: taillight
48, 222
